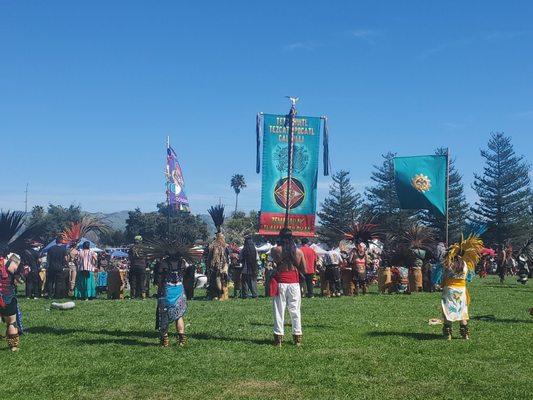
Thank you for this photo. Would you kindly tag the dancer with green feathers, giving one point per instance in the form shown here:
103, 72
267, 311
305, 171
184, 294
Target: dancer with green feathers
218, 258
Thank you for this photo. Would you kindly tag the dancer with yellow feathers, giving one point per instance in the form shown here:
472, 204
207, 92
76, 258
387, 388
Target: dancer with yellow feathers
461, 258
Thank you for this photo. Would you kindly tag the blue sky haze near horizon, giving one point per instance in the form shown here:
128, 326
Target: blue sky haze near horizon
90, 90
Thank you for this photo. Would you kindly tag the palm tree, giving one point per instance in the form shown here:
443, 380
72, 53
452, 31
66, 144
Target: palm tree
237, 183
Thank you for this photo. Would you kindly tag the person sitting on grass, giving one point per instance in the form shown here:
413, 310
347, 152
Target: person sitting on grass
289, 262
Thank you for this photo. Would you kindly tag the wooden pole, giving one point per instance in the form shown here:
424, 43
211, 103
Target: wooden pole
290, 148
168, 192
447, 226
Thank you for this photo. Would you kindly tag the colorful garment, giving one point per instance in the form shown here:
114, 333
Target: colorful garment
171, 299
8, 299
455, 297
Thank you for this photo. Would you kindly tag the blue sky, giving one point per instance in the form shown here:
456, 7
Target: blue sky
89, 90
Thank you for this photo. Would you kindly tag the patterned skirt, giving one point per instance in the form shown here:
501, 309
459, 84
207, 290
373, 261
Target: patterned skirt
455, 303
171, 307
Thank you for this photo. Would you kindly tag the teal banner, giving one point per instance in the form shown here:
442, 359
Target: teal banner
303, 186
421, 182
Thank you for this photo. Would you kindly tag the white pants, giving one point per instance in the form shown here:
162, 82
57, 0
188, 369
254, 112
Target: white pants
290, 296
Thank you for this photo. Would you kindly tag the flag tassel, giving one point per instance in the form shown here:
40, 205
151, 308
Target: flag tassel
326, 147
258, 143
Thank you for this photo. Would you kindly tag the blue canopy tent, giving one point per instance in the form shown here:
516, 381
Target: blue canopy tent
92, 245
119, 254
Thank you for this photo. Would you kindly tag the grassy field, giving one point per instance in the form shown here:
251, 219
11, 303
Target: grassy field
376, 346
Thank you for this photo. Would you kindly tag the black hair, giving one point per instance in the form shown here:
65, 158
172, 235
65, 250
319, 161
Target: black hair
86, 246
305, 240
249, 253
288, 247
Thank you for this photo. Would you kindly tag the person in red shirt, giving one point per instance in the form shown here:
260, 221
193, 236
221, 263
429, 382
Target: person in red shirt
310, 266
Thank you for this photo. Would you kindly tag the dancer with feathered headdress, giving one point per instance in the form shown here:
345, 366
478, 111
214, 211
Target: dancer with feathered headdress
172, 258
72, 236
218, 258
14, 243
361, 233
419, 239
461, 258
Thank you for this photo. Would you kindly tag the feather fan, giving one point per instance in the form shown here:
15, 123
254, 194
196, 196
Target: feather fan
158, 249
362, 232
417, 236
217, 215
79, 229
14, 237
469, 250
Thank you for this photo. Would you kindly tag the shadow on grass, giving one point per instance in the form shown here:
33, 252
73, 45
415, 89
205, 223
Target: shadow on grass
49, 330
121, 342
409, 335
288, 324
208, 336
492, 318
516, 287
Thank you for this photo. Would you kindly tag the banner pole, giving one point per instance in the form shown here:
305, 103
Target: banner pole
290, 146
168, 195
447, 227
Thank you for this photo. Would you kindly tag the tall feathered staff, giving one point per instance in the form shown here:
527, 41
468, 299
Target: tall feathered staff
14, 236
217, 215
79, 229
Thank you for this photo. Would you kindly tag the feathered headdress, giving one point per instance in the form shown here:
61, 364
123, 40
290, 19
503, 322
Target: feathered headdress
526, 251
158, 249
14, 237
79, 229
468, 250
217, 215
417, 236
401, 257
362, 232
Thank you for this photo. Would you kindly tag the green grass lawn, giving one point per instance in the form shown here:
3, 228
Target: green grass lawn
373, 346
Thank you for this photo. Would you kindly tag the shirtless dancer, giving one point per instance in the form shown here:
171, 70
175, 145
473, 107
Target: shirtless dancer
289, 262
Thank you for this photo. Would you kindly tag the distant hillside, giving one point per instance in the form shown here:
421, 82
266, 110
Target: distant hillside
117, 220
210, 225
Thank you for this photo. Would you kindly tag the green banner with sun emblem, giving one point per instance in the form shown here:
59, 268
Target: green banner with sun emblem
303, 187
421, 182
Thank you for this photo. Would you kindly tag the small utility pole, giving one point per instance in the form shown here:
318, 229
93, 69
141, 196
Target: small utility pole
26, 199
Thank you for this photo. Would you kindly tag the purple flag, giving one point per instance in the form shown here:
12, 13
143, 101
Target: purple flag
175, 183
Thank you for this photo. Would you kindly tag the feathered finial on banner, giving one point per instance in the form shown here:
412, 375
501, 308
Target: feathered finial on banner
217, 215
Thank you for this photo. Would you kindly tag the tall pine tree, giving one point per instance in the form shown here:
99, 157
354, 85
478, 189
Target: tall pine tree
504, 192
383, 200
339, 209
458, 209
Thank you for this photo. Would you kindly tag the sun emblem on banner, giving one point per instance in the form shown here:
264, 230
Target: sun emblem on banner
421, 183
297, 194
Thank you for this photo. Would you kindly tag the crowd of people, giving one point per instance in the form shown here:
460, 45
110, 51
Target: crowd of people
83, 273
289, 270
